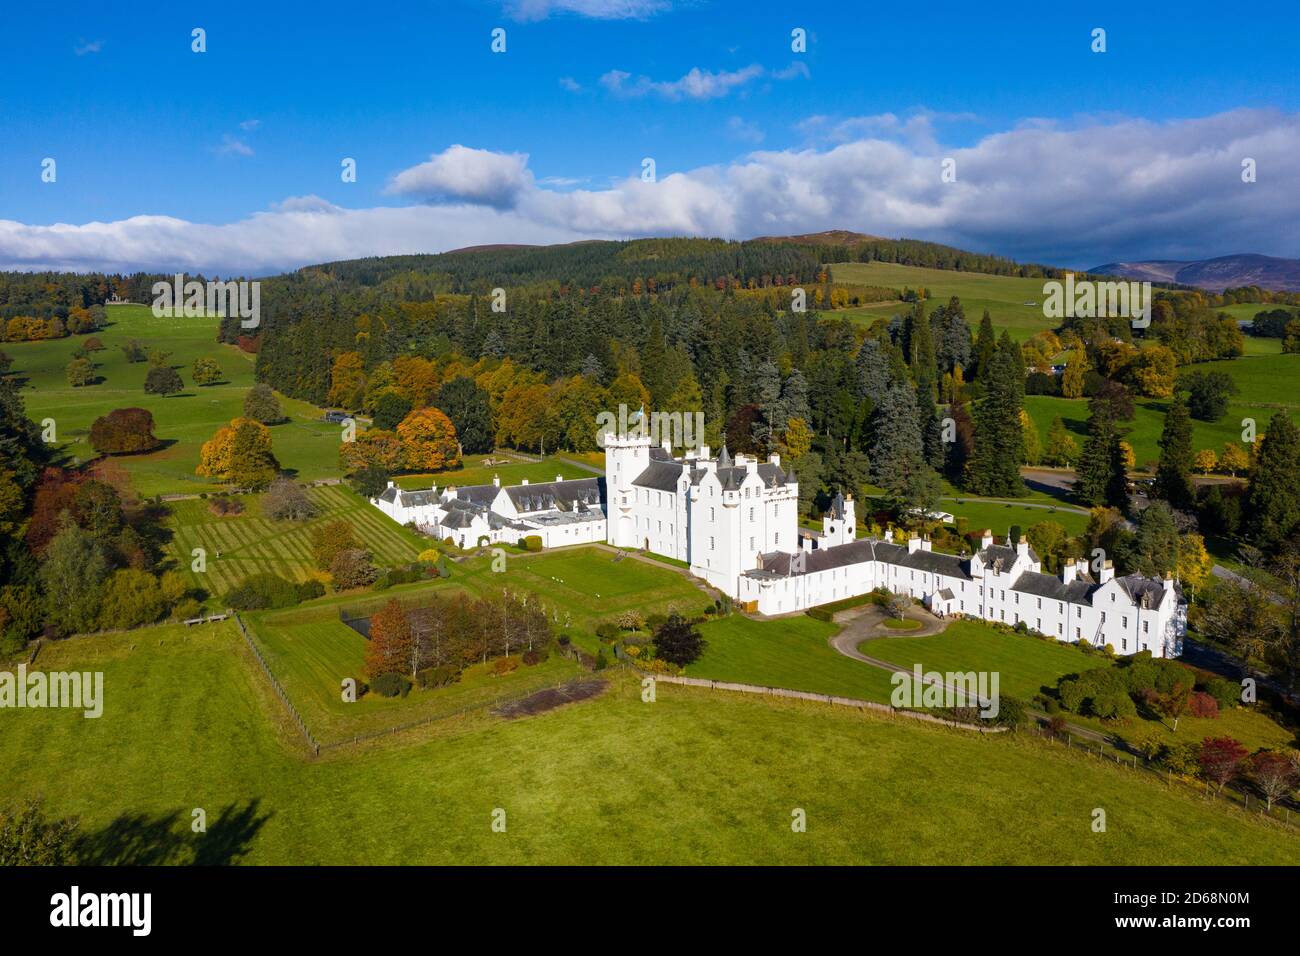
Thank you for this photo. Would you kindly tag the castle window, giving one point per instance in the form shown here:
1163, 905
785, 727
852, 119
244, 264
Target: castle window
1125, 620
1146, 627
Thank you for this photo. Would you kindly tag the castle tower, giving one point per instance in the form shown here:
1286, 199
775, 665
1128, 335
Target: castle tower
839, 525
627, 455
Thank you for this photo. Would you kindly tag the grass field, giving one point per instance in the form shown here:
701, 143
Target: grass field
311, 651
303, 444
1267, 383
999, 516
696, 777
1003, 296
514, 473
240, 545
789, 652
1027, 665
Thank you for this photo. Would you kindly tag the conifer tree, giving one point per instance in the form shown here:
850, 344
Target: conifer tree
1100, 476
898, 452
994, 467
1273, 496
1174, 474
985, 344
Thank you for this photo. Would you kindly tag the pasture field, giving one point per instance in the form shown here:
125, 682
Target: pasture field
1143, 433
311, 651
1003, 296
475, 472
239, 545
697, 777
1028, 665
303, 444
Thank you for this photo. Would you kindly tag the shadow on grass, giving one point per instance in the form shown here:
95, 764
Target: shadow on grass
139, 839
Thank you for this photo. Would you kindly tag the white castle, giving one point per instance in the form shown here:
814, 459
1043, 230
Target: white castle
735, 523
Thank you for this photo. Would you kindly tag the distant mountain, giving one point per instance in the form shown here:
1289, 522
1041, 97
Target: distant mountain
1214, 275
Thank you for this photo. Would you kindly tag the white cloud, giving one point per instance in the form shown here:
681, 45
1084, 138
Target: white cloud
528, 10
744, 130
570, 84
233, 146
695, 85
1071, 194
470, 175
249, 125
83, 47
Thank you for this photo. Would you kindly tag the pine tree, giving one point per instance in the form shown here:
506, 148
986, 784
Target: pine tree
985, 344
1100, 476
922, 355
1273, 496
898, 452
1156, 543
1174, 474
994, 467
872, 371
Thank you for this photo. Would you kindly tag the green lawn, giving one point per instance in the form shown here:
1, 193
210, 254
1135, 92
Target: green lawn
999, 516
788, 652
1026, 665
696, 777
311, 651
1149, 420
304, 444
1003, 296
240, 545
514, 473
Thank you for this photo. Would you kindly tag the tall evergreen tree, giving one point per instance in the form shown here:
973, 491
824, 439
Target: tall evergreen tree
1101, 478
898, 453
985, 344
923, 362
1155, 548
872, 367
1174, 474
1273, 496
994, 467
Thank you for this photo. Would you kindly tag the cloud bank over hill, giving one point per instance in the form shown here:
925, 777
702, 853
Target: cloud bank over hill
1076, 194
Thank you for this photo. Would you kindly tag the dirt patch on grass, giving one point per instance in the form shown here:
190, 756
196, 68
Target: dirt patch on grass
584, 688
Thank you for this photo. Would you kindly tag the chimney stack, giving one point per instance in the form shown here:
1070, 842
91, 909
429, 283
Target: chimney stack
1107, 572
775, 460
913, 543
986, 538
1069, 571
496, 481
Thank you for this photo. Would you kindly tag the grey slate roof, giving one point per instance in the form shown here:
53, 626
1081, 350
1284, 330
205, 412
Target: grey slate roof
389, 494
1007, 555
660, 475
1138, 587
557, 494
416, 499
479, 494
1051, 586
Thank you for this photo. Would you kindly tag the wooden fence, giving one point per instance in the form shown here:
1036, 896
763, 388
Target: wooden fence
284, 698
818, 698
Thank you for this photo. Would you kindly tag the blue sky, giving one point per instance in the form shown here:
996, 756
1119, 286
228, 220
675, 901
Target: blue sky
140, 126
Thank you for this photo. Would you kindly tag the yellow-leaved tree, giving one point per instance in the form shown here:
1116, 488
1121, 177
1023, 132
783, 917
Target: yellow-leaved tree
428, 440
